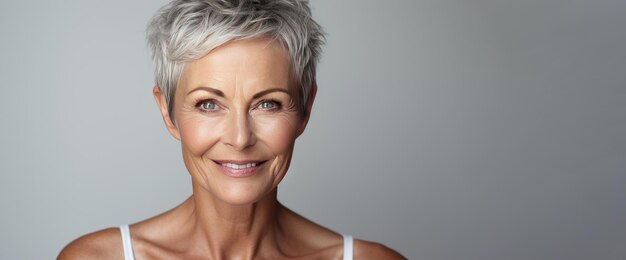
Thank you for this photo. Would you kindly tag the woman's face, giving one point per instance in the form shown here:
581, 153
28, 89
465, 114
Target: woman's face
237, 120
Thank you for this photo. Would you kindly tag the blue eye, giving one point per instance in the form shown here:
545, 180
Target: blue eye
207, 105
269, 105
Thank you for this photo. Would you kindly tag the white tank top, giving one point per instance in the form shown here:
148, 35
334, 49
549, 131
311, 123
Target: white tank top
348, 245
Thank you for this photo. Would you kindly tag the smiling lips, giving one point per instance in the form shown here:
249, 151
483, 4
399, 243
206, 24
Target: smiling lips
239, 166
239, 169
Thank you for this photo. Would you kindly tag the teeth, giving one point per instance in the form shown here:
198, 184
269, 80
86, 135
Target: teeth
239, 166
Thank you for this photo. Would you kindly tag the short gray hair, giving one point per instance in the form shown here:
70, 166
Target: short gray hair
186, 30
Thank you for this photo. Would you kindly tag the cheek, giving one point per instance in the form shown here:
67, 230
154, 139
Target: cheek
278, 133
198, 134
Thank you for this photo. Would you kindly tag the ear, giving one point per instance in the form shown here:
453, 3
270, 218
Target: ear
309, 106
159, 97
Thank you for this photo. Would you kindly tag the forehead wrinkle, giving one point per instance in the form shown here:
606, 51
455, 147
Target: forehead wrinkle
246, 80
245, 67
198, 78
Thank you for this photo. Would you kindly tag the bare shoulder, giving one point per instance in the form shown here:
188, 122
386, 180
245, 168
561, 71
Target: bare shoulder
371, 250
103, 244
327, 242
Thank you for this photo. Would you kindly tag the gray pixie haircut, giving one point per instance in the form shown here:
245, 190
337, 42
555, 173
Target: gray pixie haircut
186, 30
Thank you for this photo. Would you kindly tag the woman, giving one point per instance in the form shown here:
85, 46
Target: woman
235, 85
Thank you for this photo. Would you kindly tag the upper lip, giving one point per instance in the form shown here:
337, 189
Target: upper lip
239, 162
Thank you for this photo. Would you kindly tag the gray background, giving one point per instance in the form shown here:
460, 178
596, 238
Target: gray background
454, 129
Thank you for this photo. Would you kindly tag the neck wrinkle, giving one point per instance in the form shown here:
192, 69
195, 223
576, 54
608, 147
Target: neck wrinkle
233, 232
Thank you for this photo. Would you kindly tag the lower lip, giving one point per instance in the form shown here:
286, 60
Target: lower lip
239, 173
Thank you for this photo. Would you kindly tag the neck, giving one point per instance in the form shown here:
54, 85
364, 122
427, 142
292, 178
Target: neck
226, 231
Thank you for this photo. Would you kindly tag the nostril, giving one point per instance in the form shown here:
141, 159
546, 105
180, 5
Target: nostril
239, 134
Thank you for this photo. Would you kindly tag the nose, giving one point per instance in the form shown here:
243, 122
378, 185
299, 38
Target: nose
239, 134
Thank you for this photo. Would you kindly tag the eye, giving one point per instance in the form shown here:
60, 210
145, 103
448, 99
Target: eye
207, 105
269, 105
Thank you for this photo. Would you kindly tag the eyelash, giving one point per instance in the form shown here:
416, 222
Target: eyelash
200, 102
277, 104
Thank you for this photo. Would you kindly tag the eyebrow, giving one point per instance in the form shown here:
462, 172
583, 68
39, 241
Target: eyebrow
208, 89
267, 91
257, 95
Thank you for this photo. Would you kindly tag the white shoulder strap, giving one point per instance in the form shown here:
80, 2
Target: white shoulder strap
348, 247
128, 245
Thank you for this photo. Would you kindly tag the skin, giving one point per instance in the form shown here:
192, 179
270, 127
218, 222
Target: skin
237, 104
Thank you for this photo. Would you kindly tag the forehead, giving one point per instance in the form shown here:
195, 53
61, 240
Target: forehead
247, 64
